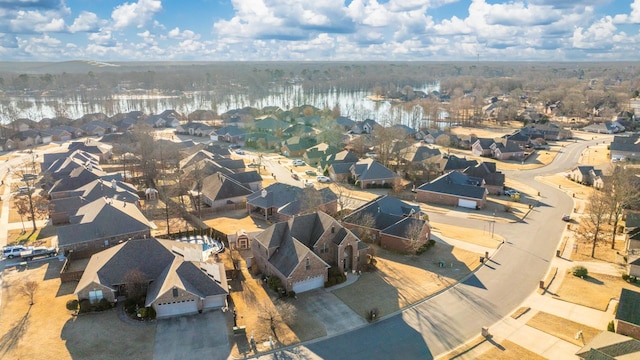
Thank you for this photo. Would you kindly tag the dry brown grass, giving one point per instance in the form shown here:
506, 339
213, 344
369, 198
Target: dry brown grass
594, 291
231, 221
47, 330
562, 328
507, 350
473, 236
248, 295
402, 280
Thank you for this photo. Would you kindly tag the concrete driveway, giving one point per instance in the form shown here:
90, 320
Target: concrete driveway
200, 336
331, 311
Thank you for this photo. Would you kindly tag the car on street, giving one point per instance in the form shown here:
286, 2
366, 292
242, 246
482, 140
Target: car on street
323, 179
295, 176
297, 163
310, 173
511, 192
239, 152
566, 218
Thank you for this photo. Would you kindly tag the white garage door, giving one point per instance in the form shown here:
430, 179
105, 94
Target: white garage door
178, 308
213, 302
309, 284
467, 203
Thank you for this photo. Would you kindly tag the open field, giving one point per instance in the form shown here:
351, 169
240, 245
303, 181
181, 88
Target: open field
401, 280
595, 290
47, 330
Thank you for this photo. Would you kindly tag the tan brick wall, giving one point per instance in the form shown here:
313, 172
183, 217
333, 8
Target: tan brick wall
183, 295
624, 328
106, 292
444, 199
316, 268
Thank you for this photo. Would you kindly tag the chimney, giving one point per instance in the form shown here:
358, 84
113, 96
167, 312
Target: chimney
113, 183
263, 193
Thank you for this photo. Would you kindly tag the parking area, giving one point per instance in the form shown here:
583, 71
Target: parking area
199, 336
334, 314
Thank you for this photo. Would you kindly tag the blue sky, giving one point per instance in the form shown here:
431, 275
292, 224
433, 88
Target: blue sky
245, 30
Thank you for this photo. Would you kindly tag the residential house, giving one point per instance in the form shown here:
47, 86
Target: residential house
58, 134
587, 175
126, 124
429, 136
301, 250
102, 151
405, 131
370, 173
230, 134
280, 202
98, 128
249, 179
345, 122
487, 171
344, 156
66, 203
507, 150
610, 346
59, 165
299, 130
296, 146
482, 147
92, 229
607, 127
365, 127
547, 131
627, 318
177, 280
263, 141
389, 222
271, 126
315, 154
219, 190
625, 147
454, 189
633, 252
446, 163
28, 138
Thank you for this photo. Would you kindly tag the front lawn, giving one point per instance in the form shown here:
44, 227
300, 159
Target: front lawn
595, 290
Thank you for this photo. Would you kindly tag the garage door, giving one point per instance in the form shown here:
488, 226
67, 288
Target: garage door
214, 302
309, 284
467, 203
178, 308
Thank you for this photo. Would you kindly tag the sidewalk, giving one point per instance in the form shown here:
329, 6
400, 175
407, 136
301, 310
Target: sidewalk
4, 217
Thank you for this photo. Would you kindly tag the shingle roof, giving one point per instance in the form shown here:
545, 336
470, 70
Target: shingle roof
286, 197
609, 345
385, 211
404, 227
629, 307
96, 220
219, 187
370, 169
456, 183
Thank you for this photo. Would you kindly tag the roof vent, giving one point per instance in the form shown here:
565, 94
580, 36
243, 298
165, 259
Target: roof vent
263, 193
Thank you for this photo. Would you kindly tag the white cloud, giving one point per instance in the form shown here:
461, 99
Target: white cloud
102, 38
182, 35
86, 22
598, 36
633, 17
135, 14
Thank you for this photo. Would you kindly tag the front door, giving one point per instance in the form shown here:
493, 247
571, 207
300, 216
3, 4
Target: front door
346, 261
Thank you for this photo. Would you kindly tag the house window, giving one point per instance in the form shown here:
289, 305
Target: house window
95, 296
175, 292
308, 264
324, 249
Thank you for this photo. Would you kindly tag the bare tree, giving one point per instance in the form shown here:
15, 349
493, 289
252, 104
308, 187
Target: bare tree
29, 289
414, 233
345, 197
591, 227
366, 223
622, 192
135, 283
281, 313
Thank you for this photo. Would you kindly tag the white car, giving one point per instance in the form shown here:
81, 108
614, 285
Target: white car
323, 179
297, 163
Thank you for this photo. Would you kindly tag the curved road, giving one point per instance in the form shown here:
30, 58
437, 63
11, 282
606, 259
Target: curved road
451, 318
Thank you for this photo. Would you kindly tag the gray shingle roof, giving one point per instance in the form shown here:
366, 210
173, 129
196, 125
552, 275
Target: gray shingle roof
219, 187
370, 169
456, 183
629, 307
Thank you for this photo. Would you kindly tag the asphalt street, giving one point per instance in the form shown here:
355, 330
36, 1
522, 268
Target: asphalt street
451, 318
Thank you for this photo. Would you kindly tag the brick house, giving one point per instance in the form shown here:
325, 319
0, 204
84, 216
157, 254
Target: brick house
454, 189
280, 202
177, 280
627, 319
487, 171
369, 172
301, 250
389, 222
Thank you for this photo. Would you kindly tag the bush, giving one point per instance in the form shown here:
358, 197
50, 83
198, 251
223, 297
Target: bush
274, 283
151, 313
142, 313
625, 277
104, 304
72, 305
579, 271
425, 246
84, 306
611, 327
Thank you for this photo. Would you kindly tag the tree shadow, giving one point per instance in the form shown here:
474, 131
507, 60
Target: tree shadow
9, 340
593, 280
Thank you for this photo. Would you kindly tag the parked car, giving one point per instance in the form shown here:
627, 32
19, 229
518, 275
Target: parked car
511, 192
566, 218
308, 184
239, 152
310, 173
323, 179
295, 176
234, 146
297, 163
14, 251
40, 251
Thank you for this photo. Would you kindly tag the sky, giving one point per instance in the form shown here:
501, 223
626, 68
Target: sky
319, 30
